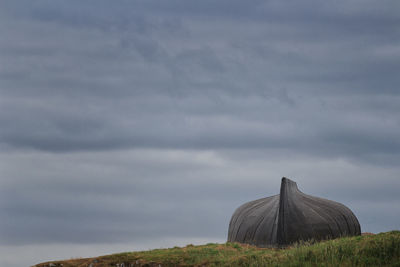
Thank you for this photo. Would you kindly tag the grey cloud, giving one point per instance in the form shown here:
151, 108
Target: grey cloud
141, 120
225, 123
124, 195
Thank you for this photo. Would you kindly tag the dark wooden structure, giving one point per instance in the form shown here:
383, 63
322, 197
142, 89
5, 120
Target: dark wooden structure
289, 217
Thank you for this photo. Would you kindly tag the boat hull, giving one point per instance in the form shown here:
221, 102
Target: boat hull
290, 217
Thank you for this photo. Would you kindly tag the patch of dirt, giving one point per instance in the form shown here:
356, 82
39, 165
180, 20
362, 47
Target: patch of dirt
367, 233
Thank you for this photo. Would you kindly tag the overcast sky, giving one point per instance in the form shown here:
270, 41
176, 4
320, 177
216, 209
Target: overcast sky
129, 125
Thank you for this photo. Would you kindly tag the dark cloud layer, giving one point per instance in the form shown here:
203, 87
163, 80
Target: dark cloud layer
141, 121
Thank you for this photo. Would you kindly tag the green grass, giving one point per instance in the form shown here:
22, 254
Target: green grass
372, 250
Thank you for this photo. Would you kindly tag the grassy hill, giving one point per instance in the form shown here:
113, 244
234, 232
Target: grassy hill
370, 250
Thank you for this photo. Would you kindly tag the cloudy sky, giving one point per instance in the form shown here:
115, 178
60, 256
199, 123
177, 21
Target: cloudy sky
128, 125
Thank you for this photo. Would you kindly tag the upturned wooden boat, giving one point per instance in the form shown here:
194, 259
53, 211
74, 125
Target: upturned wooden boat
290, 217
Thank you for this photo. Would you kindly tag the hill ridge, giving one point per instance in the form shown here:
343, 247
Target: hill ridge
368, 250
